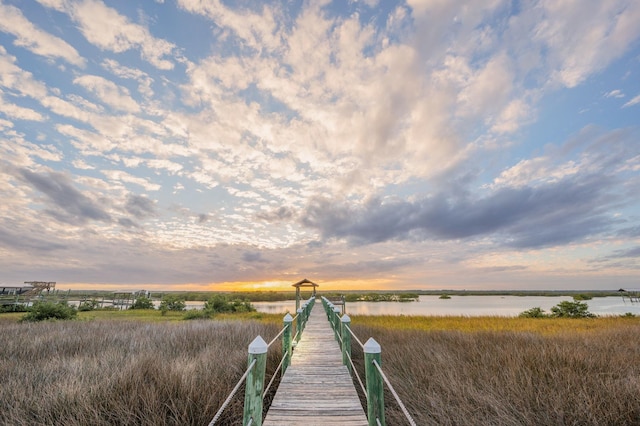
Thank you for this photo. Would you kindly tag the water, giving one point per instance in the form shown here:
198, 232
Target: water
507, 306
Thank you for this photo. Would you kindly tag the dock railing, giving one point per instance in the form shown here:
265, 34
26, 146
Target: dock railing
254, 375
372, 387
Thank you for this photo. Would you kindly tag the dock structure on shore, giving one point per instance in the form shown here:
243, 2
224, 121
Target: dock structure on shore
317, 387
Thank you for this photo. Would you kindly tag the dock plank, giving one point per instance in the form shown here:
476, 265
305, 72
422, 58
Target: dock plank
316, 388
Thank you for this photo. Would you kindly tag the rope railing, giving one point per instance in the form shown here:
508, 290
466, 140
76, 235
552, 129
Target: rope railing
254, 376
375, 378
355, 371
232, 394
354, 336
395, 394
273, 377
278, 335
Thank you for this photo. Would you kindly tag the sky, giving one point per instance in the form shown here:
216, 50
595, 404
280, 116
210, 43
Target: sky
373, 144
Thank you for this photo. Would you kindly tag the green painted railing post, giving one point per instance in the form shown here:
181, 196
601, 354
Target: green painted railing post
375, 390
299, 325
346, 341
254, 384
336, 323
286, 341
305, 316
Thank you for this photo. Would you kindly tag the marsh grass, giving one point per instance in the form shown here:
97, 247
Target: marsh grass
468, 371
142, 368
125, 372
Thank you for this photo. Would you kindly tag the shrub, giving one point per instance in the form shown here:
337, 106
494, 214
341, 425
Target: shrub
41, 311
444, 296
220, 303
578, 297
567, 309
88, 305
172, 302
536, 312
142, 302
197, 314
14, 307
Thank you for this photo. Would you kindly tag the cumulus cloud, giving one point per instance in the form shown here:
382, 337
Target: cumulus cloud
551, 214
632, 102
318, 139
140, 206
253, 256
67, 204
586, 38
39, 42
279, 214
18, 80
108, 92
537, 203
107, 29
616, 93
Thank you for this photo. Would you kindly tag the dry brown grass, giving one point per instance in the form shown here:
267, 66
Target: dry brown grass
123, 372
512, 377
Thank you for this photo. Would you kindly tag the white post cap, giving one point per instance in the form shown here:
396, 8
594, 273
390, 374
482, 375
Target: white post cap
288, 317
345, 318
336, 310
299, 310
372, 347
258, 346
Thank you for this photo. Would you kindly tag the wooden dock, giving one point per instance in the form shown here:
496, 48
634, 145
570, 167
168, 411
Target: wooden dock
316, 389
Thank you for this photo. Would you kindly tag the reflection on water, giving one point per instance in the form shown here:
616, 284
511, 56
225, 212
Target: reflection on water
466, 305
276, 307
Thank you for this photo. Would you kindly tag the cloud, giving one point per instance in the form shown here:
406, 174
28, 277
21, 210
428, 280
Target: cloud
616, 93
19, 113
276, 215
68, 204
140, 206
108, 92
255, 30
253, 256
627, 253
23, 241
632, 102
144, 80
107, 29
17, 80
122, 176
585, 38
12, 21
525, 217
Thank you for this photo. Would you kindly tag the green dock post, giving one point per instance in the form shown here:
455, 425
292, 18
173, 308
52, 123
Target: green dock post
335, 321
304, 315
254, 385
375, 390
299, 325
286, 341
346, 341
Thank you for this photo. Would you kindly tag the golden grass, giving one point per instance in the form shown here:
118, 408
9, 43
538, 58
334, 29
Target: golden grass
142, 368
124, 372
149, 315
508, 371
546, 326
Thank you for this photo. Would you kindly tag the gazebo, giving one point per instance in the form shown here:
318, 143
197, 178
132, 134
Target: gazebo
304, 283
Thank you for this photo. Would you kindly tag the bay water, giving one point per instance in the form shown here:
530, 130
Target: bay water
507, 306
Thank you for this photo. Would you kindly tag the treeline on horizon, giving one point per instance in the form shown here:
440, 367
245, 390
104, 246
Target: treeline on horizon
353, 295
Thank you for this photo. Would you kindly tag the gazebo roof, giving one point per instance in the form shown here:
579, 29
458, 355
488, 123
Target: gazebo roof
305, 283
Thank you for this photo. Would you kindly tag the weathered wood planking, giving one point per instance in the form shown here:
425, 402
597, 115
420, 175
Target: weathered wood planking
316, 389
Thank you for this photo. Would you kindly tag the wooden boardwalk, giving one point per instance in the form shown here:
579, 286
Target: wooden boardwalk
316, 388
